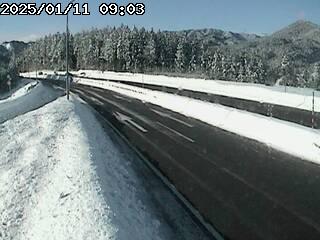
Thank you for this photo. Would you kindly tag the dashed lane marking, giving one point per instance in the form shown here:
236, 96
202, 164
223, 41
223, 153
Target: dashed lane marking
171, 117
176, 132
122, 98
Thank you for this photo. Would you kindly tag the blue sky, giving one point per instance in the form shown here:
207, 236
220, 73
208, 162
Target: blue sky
251, 16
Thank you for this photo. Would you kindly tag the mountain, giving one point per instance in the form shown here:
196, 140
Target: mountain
217, 37
15, 47
299, 43
300, 30
289, 56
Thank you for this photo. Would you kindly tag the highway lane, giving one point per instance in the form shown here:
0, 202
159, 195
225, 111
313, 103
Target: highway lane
286, 113
244, 188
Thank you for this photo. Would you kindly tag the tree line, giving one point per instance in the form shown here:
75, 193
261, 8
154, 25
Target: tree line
8, 70
167, 52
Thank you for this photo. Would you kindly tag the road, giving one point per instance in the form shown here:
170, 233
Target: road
286, 113
245, 189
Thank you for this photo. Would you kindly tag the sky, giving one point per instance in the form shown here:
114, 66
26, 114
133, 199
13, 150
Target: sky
249, 16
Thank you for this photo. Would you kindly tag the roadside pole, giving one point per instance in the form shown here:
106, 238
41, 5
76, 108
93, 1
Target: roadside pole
67, 57
9, 82
312, 119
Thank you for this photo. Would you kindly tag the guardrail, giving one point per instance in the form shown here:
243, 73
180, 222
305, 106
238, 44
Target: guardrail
290, 114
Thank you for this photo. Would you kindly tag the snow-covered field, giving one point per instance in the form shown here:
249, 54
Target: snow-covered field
62, 177
288, 137
294, 97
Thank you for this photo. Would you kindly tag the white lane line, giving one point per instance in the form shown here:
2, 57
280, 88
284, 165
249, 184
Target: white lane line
128, 120
176, 132
79, 91
135, 114
93, 99
97, 95
58, 88
122, 98
99, 90
97, 101
171, 117
136, 125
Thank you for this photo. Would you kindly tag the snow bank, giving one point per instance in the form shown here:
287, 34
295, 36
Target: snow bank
28, 98
294, 97
21, 92
43, 170
292, 138
61, 178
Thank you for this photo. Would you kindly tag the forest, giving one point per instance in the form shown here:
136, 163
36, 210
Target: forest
8, 70
287, 57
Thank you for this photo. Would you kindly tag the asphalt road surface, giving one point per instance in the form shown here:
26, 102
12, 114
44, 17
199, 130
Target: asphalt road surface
245, 189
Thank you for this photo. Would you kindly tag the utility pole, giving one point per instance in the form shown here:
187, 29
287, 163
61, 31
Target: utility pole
67, 55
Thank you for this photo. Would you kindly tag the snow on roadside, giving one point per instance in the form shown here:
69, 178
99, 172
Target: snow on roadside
292, 138
19, 84
47, 178
293, 97
30, 97
61, 178
21, 92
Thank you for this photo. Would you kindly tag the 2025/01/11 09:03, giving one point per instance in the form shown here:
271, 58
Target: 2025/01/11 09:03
115, 9
74, 8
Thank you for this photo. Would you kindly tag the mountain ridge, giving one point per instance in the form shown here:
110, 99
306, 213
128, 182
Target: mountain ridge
293, 53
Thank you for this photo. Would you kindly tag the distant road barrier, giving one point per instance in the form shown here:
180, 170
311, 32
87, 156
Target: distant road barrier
290, 114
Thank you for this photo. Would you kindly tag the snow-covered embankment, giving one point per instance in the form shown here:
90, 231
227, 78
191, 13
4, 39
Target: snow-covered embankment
61, 177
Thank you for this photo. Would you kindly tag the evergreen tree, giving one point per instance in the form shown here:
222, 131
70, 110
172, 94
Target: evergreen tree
180, 55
